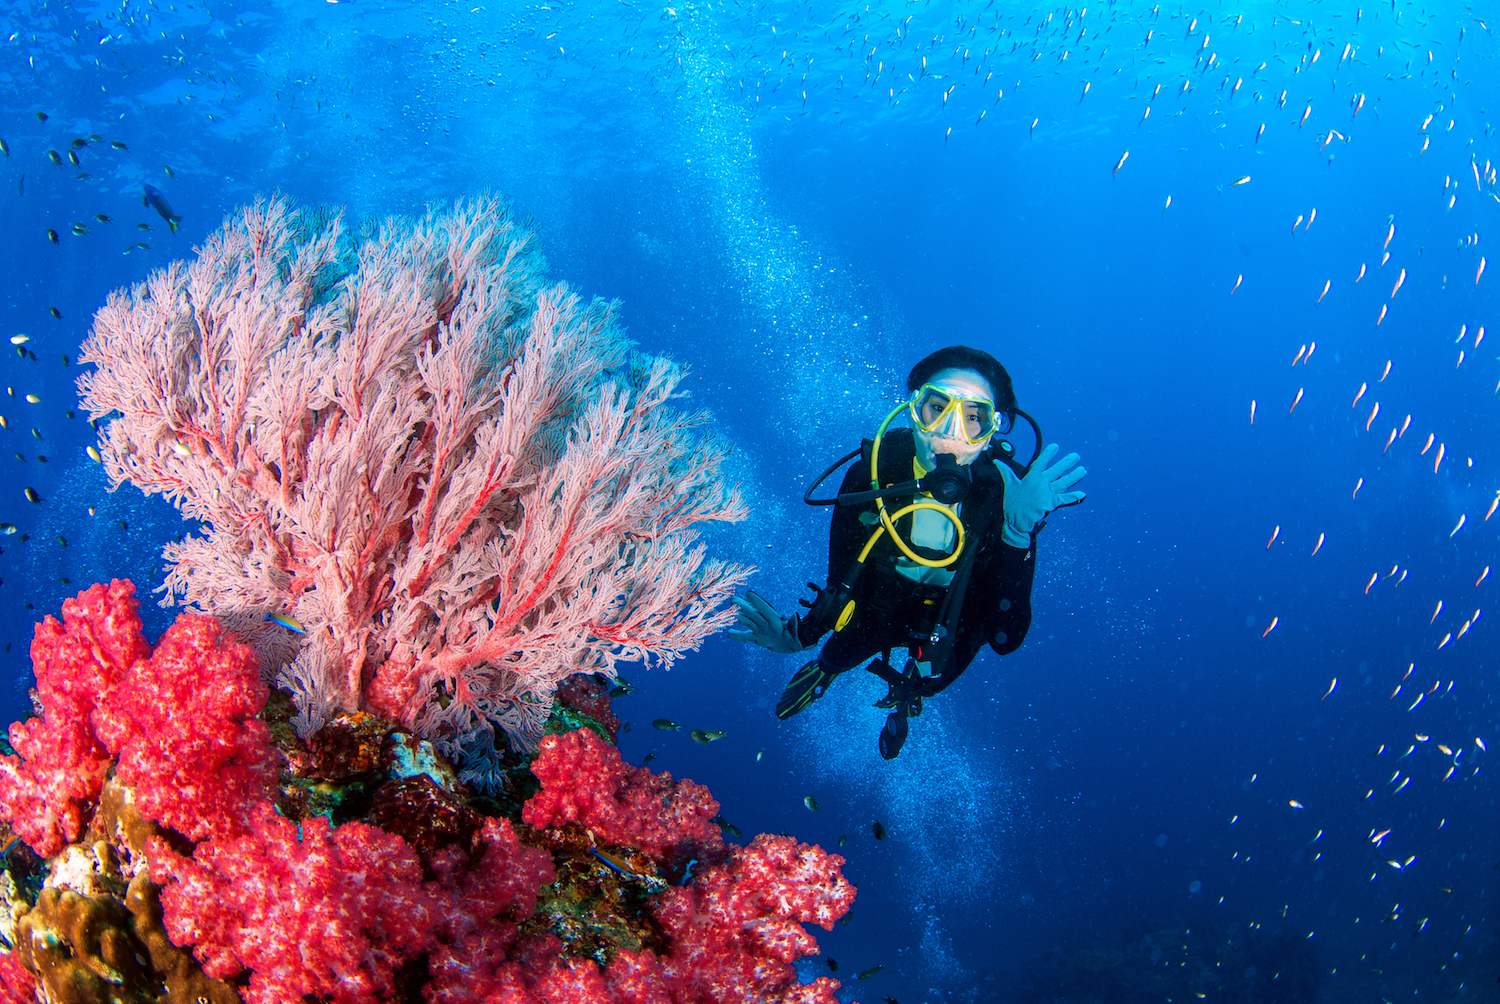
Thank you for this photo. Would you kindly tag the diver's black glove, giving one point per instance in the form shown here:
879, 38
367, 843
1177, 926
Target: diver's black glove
760, 623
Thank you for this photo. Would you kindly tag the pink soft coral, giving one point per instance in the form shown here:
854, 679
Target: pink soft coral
184, 725
17, 984
738, 928
585, 781
734, 934
62, 762
734, 931
333, 913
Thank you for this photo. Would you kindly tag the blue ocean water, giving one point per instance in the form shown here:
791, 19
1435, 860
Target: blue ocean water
1149, 801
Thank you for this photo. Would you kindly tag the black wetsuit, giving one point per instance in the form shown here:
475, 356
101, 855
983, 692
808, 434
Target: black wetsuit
892, 610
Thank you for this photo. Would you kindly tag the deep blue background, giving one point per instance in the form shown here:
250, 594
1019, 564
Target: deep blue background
799, 255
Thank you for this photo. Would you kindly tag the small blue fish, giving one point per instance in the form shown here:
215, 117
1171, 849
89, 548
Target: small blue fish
287, 621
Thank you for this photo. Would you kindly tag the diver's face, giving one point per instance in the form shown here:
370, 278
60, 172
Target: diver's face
954, 408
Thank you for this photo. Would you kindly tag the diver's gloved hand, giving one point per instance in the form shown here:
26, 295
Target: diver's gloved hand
1028, 500
759, 622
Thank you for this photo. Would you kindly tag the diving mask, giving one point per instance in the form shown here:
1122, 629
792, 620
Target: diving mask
954, 410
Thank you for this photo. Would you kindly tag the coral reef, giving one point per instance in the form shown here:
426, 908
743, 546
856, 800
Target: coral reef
611, 884
431, 485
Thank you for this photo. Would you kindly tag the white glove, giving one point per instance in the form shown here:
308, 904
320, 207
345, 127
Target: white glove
1028, 500
760, 623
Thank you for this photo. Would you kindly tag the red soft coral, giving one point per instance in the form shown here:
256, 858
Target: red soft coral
734, 933
308, 910
334, 913
62, 763
738, 928
17, 984
585, 781
184, 725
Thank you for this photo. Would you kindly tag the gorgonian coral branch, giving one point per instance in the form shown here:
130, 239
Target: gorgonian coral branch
460, 481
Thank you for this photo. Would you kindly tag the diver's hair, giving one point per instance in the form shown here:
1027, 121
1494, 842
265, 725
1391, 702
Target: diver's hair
961, 357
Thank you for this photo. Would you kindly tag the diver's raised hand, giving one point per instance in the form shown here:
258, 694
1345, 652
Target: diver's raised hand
1046, 486
760, 623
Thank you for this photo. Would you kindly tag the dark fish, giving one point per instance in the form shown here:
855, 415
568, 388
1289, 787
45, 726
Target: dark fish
55, 312
32, 496
810, 802
62, 540
73, 159
5, 148
80, 229
118, 145
52, 235
666, 725
55, 157
878, 829
833, 965
143, 245
843, 840
869, 972
164, 167
41, 116
78, 144
153, 198
648, 758
102, 218
143, 226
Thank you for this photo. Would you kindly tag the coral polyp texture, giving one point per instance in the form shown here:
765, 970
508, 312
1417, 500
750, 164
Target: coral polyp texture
179, 857
448, 484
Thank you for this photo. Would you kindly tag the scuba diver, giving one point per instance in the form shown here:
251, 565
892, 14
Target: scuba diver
933, 544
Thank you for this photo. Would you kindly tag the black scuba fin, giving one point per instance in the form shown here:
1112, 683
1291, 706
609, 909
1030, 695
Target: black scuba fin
806, 686
893, 735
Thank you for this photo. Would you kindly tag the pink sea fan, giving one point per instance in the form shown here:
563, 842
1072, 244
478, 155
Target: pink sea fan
461, 482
